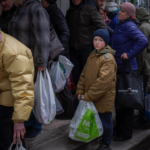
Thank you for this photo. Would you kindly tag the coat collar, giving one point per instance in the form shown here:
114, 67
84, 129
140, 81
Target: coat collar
3, 39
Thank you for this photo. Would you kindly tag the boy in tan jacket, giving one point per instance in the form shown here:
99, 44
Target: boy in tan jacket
97, 83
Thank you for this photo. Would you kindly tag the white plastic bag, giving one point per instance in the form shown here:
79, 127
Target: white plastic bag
17, 147
59, 109
66, 65
86, 124
44, 105
57, 77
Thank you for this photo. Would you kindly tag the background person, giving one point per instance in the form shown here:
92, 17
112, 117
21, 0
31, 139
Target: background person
8, 8
128, 42
82, 20
98, 74
37, 39
103, 15
59, 23
112, 10
16, 89
143, 60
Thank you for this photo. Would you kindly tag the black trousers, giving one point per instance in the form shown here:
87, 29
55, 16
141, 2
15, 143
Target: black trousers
67, 101
79, 58
124, 120
6, 127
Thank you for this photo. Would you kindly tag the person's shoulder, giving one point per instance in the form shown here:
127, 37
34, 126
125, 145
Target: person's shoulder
88, 7
145, 26
15, 47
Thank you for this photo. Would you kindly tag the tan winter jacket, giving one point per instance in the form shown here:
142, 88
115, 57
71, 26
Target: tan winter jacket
98, 80
16, 77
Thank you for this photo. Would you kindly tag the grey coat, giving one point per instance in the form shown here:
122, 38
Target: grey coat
143, 59
20, 28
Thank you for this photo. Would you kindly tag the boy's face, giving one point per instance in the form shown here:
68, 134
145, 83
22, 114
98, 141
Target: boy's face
99, 43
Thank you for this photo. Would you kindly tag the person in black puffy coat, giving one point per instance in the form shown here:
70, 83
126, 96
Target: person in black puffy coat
59, 23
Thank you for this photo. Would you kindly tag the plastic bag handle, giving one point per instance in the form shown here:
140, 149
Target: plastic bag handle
17, 147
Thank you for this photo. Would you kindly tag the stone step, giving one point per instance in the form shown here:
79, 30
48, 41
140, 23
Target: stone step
139, 141
55, 137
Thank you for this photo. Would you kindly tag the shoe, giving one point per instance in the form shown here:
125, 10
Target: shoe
120, 138
32, 133
103, 146
141, 124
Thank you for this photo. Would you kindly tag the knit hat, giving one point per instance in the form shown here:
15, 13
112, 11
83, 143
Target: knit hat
51, 1
111, 7
103, 33
129, 8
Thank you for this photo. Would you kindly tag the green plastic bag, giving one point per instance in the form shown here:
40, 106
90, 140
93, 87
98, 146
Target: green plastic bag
86, 124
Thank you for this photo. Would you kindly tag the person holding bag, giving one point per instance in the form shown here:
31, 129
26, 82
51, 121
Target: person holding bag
38, 42
97, 83
16, 89
128, 41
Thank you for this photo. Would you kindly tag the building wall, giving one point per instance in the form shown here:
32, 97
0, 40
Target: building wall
64, 4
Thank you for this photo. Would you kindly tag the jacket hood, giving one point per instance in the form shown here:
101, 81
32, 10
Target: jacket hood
84, 1
142, 15
107, 49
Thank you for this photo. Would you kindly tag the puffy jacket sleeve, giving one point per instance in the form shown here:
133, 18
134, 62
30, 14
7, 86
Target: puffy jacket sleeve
20, 71
97, 20
41, 23
101, 86
140, 41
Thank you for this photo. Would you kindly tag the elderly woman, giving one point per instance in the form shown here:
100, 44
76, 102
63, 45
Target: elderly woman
37, 38
128, 42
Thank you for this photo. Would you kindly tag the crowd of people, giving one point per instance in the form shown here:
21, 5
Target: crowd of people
97, 40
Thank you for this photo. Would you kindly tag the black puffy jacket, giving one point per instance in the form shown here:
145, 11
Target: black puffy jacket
60, 25
83, 20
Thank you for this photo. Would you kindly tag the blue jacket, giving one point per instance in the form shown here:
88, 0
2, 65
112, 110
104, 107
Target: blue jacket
127, 38
114, 19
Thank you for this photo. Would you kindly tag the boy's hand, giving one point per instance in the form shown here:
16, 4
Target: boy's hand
79, 97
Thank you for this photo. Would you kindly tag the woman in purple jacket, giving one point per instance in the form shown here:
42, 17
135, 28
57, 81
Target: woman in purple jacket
128, 42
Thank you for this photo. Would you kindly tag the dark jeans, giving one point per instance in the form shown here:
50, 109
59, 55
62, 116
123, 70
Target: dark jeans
79, 58
32, 122
6, 127
106, 119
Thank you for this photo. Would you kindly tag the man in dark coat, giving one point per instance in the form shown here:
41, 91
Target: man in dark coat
8, 8
83, 19
59, 23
